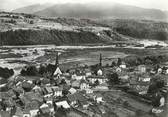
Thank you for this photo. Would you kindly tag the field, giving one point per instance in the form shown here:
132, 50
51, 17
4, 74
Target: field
18, 56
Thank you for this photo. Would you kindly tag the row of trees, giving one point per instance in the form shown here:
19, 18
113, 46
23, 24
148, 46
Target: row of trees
6, 72
42, 71
147, 60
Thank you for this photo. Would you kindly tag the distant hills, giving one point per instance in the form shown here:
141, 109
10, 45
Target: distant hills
94, 10
32, 8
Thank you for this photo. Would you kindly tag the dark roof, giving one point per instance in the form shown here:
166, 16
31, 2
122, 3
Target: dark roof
4, 114
76, 96
33, 96
10, 102
83, 81
33, 105
3, 95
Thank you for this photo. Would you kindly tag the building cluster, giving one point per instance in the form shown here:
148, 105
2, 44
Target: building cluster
73, 91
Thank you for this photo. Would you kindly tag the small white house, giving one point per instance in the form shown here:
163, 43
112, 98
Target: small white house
102, 86
72, 90
167, 71
99, 72
118, 69
88, 91
78, 77
98, 98
101, 79
146, 79
159, 71
88, 74
33, 113
123, 65
84, 85
64, 104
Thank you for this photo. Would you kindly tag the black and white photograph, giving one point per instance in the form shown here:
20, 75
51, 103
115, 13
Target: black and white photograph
83, 58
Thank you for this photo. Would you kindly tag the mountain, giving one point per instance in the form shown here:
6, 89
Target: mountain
32, 8
95, 10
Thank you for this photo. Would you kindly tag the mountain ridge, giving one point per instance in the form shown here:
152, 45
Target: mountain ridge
95, 10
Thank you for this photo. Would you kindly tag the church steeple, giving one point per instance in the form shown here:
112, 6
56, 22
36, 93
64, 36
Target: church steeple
100, 60
57, 61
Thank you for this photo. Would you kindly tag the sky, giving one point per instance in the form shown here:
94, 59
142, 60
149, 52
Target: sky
157, 4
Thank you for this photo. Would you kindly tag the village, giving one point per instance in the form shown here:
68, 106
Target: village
87, 91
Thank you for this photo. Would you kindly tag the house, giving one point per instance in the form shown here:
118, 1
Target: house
166, 71
44, 108
29, 81
78, 77
99, 72
57, 91
88, 72
34, 112
84, 85
124, 78
123, 65
84, 104
101, 79
72, 99
142, 68
75, 84
118, 69
36, 88
159, 71
76, 98
89, 91
72, 90
102, 86
146, 79
63, 104
98, 98
26, 113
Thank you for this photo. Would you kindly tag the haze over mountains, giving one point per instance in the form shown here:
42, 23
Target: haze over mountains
94, 10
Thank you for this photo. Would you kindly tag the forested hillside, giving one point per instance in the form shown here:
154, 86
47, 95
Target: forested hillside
145, 29
57, 37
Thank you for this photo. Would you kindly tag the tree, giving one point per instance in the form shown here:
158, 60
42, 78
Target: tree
113, 78
113, 64
26, 86
62, 82
31, 22
119, 62
96, 83
107, 65
29, 71
6, 73
42, 70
